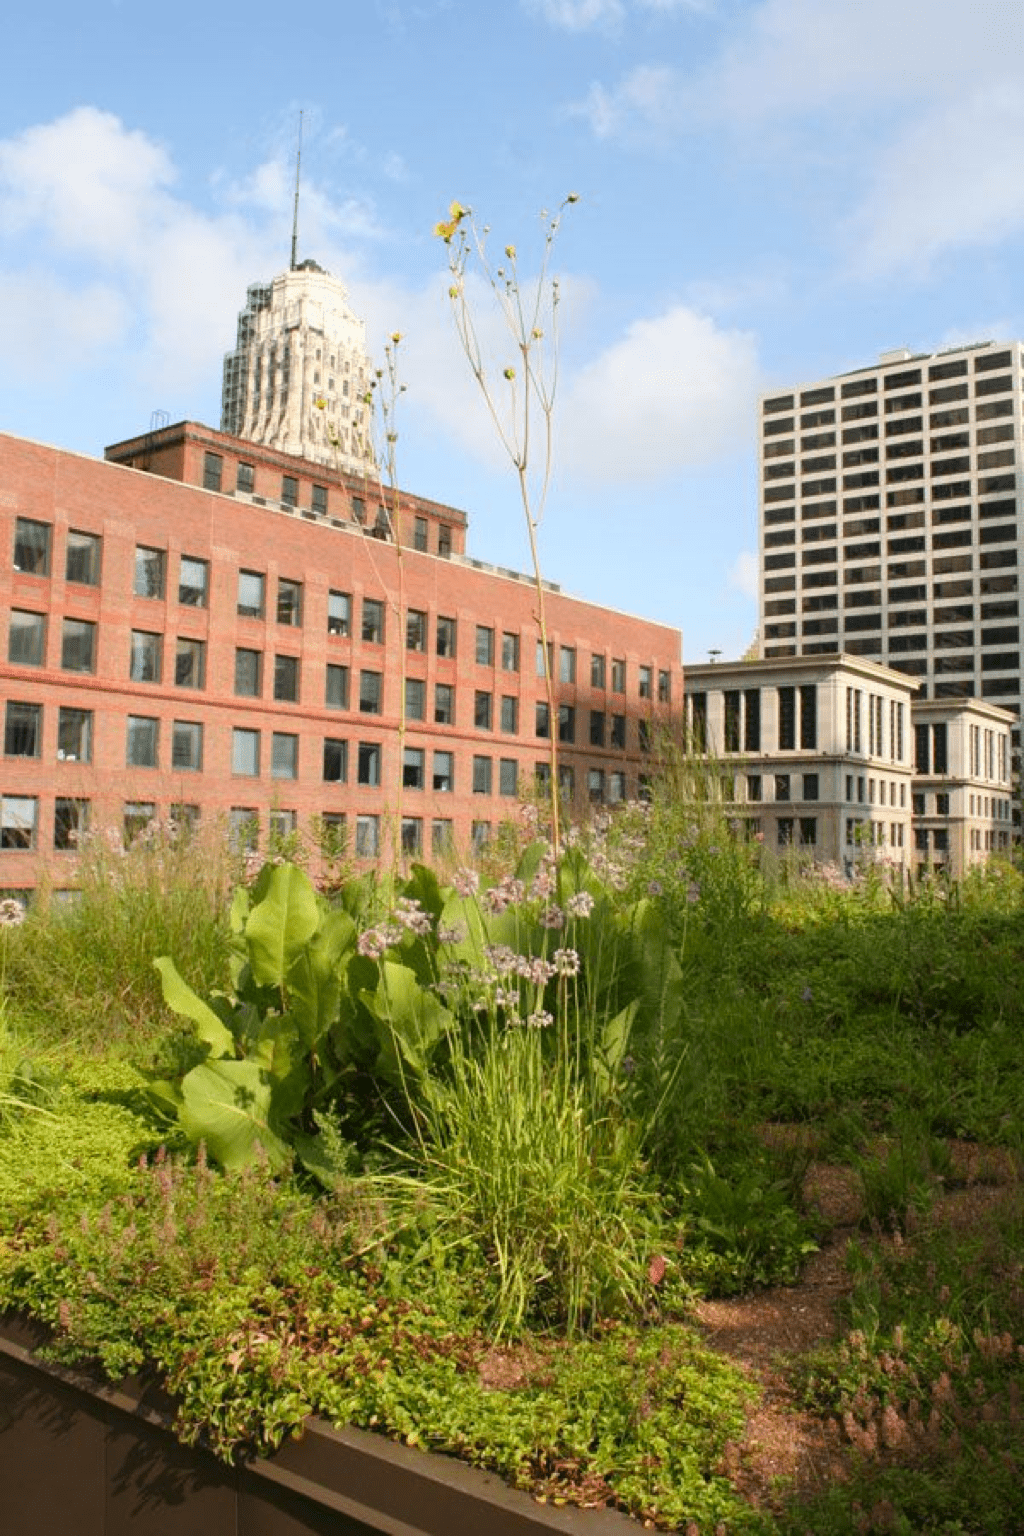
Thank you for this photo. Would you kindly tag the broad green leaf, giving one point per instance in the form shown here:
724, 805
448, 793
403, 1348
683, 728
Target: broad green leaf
227, 1105
179, 996
280, 924
314, 980
410, 1020
422, 886
614, 1038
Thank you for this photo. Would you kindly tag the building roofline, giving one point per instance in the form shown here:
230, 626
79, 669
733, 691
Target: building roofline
887, 360
829, 661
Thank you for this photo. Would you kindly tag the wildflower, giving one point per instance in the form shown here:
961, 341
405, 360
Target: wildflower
411, 915
693, 892
552, 917
541, 1019
504, 997
372, 943
654, 887
580, 904
12, 913
543, 884
466, 882
537, 971
503, 959
628, 1066
566, 962
453, 933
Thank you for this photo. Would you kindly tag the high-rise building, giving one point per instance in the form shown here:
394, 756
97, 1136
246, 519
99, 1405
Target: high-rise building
892, 519
298, 378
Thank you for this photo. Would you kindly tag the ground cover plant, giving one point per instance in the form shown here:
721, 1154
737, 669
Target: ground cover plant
457, 1156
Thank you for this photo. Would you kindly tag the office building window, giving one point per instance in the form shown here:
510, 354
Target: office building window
23, 729
286, 679
644, 682
618, 676
754, 788
284, 755
787, 719
481, 775
248, 667
442, 835
539, 659
484, 646
595, 785
336, 686
618, 732
616, 786
339, 613
193, 582
319, 502
412, 835
144, 658
150, 567
26, 638
543, 726
413, 768
810, 786
245, 480
444, 704
664, 687
419, 533
809, 717
74, 736
566, 664
187, 746
597, 672
367, 837
137, 816
566, 722
289, 491
78, 646
446, 630
32, 547
252, 594
19, 820
368, 763
415, 630
370, 692
373, 621
415, 698
509, 714
482, 710
245, 752
335, 760
282, 826
244, 828
190, 664
508, 777
782, 786
444, 772
142, 741
213, 471
444, 541
289, 602
82, 559
509, 652
70, 823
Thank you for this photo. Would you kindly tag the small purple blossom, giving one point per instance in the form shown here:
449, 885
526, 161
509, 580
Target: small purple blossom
552, 917
540, 1019
654, 887
409, 914
466, 882
450, 933
693, 893
566, 962
580, 904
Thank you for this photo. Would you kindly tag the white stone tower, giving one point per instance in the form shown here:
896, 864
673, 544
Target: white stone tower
299, 375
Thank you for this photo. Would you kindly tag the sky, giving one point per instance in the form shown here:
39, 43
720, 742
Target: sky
767, 192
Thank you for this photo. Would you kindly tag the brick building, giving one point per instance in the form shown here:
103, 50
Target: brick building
205, 626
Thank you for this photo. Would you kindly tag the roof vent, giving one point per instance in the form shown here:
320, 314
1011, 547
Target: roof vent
898, 355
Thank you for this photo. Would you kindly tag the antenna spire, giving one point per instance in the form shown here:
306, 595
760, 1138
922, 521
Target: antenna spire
295, 215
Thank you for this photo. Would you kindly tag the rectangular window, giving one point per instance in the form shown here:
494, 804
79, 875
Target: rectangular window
319, 502
339, 613
289, 602
810, 786
26, 639
509, 714
419, 534
782, 786
508, 777
481, 775
190, 664
412, 835
566, 664
415, 630
19, 820
509, 652
144, 660
444, 704
616, 787
543, 725
70, 823
187, 746
539, 659
245, 752
482, 710
213, 471
413, 768
373, 621
595, 786
618, 676
754, 787
732, 719
442, 835
286, 679
752, 720
335, 760
289, 491
193, 582
664, 687
284, 756
78, 646
74, 736
643, 735
444, 772
367, 837
940, 745
808, 831
644, 681
150, 565
444, 541
446, 630
415, 698
244, 828
597, 727
597, 672
618, 732
142, 741
82, 559
248, 667
252, 594
282, 825
808, 717
566, 723
32, 547
245, 481
368, 764
370, 693
23, 730
787, 719
336, 687
484, 646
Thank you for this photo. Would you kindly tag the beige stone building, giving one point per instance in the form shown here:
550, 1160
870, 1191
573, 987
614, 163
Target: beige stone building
962, 802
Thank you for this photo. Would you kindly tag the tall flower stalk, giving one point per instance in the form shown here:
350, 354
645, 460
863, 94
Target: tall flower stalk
519, 394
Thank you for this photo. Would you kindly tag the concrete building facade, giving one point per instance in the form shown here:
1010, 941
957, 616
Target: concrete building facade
892, 519
206, 627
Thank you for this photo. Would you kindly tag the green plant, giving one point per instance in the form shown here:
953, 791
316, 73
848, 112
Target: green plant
904, 1176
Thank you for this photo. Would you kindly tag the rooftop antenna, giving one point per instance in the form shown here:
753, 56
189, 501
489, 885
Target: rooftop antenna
295, 215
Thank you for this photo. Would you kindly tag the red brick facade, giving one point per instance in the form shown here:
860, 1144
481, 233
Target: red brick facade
170, 645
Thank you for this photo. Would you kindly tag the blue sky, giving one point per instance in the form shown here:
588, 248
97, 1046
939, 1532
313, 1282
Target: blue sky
769, 191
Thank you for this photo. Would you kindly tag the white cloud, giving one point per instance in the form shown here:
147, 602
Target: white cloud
675, 391
646, 101
743, 574
582, 15
48, 330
